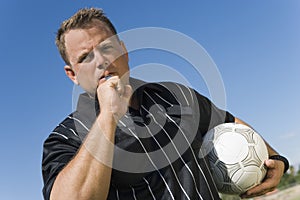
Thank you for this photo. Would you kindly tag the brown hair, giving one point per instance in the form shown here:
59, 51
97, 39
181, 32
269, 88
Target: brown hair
84, 18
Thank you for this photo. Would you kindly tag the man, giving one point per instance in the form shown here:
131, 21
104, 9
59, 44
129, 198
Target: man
92, 153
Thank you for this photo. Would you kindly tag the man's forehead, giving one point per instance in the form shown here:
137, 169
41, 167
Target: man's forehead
79, 41
101, 26
88, 38
95, 27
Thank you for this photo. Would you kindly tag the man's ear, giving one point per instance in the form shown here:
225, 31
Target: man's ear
124, 50
71, 74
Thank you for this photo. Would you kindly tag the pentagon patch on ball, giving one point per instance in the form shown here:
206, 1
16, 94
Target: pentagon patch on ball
236, 155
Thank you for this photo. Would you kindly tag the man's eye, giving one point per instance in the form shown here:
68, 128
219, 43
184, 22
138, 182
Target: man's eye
86, 58
106, 48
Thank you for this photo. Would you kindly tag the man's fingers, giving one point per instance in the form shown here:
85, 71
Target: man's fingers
120, 88
268, 184
261, 189
115, 83
270, 163
127, 91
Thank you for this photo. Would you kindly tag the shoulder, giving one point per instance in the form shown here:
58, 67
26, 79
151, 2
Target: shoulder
183, 93
78, 123
65, 132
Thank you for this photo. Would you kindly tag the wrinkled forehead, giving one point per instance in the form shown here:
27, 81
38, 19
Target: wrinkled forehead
94, 29
83, 40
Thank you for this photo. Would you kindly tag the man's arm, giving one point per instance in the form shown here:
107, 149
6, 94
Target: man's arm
273, 176
88, 174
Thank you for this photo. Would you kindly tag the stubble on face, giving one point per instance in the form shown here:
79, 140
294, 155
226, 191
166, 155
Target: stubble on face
81, 41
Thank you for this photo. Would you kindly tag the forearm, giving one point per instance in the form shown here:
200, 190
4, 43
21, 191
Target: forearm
87, 175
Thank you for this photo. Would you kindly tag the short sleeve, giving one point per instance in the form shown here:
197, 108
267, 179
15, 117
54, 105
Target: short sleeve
58, 149
211, 115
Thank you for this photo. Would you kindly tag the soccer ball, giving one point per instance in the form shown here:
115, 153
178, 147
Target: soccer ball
236, 155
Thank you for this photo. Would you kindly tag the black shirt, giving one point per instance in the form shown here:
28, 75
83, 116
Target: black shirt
157, 143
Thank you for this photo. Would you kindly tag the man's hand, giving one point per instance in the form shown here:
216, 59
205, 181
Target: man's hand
275, 171
113, 96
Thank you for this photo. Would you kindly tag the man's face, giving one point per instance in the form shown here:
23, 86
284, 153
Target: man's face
93, 54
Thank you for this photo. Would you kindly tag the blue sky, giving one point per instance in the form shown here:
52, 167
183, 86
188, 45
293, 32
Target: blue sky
254, 44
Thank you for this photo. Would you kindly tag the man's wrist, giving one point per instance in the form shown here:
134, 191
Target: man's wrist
283, 159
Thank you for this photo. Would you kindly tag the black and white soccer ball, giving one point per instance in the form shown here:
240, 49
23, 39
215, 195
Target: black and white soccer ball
236, 155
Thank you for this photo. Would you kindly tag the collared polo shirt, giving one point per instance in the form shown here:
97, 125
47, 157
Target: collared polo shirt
157, 151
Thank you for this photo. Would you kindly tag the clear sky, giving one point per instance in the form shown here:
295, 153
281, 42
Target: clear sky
254, 44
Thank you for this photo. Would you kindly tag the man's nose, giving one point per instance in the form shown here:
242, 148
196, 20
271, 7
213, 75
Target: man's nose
101, 61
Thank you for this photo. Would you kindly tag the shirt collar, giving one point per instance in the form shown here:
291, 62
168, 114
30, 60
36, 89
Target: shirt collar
89, 106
